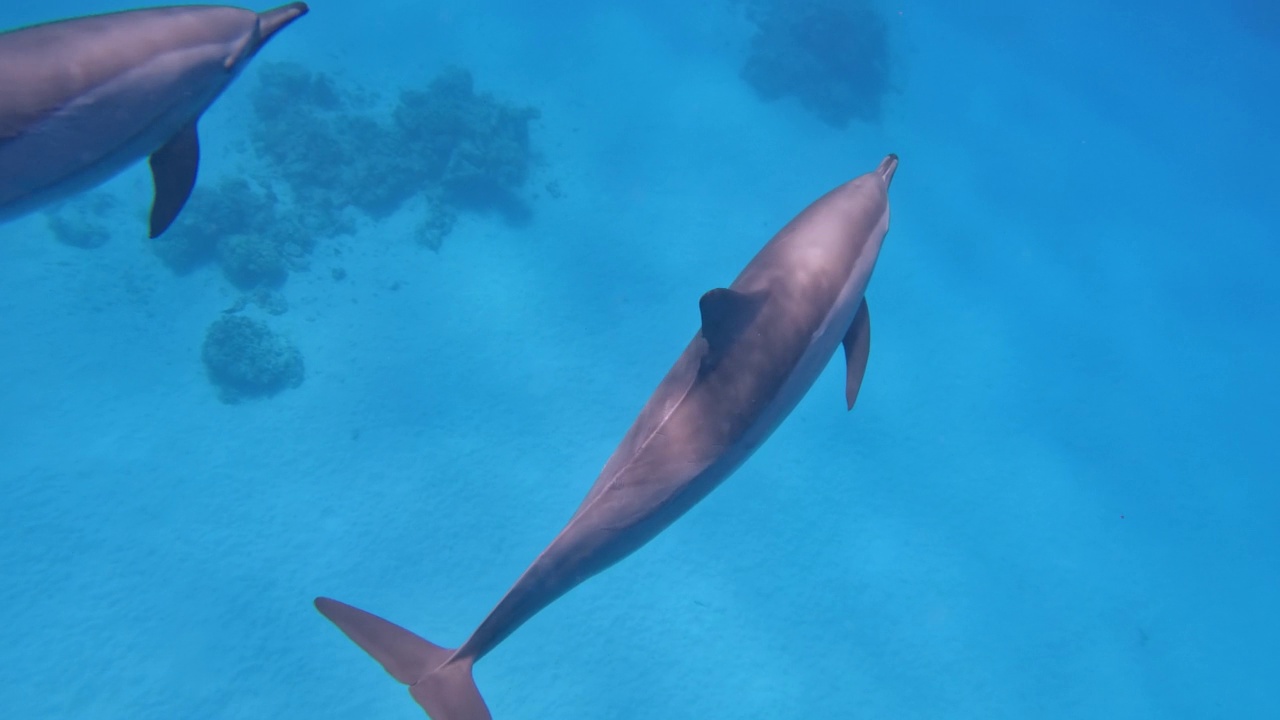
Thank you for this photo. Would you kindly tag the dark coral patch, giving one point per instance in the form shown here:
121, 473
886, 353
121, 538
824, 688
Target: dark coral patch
246, 359
830, 55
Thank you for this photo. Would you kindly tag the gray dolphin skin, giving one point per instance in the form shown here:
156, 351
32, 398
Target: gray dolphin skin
764, 340
85, 98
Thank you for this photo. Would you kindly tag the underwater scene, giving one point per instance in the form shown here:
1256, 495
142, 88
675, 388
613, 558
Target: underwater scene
499, 359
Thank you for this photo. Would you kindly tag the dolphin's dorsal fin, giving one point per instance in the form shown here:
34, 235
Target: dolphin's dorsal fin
725, 314
173, 171
857, 344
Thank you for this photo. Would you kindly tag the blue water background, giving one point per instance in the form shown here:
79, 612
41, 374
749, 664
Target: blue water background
1056, 497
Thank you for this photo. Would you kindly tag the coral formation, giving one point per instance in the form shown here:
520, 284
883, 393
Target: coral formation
436, 224
477, 148
240, 227
321, 155
300, 134
447, 142
245, 359
830, 55
251, 260
211, 213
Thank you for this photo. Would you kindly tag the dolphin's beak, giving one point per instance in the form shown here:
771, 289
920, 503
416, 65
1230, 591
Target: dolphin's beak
887, 167
272, 21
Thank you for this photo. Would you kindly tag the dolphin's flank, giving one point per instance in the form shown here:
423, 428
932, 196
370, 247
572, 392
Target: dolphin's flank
763, 342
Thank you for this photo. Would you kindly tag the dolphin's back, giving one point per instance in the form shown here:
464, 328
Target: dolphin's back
44, 67
795, 285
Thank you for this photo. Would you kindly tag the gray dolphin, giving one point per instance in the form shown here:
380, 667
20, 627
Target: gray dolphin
82, 99
764, 340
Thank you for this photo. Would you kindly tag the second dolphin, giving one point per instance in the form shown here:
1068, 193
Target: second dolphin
82, 99
764, 340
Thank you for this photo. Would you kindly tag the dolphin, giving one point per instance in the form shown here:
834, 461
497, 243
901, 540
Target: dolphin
83, 99
764, 340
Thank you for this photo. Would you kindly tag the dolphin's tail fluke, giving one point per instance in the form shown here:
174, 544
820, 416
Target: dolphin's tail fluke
441, 684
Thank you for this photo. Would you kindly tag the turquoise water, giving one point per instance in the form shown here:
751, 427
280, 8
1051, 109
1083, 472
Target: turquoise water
1055, 498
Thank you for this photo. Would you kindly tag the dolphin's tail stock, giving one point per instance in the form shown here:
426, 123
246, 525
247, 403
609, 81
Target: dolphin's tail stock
441, 684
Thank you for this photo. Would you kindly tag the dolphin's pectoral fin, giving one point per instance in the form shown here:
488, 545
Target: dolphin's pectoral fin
173, 171
725, 314
857, 344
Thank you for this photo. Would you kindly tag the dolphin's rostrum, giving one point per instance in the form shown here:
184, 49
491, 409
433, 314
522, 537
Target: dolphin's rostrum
82, 99
763, 342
